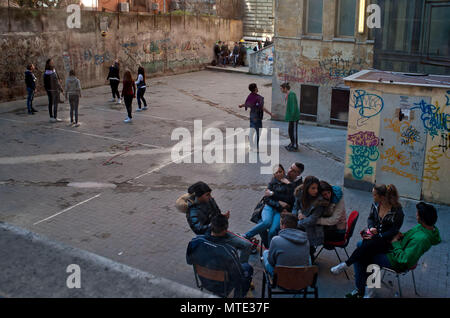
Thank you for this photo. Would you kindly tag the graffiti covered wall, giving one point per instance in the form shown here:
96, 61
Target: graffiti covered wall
261, 62
162, 44
321, 59
400, 135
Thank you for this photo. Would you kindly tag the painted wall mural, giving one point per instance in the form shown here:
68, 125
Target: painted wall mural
364, 150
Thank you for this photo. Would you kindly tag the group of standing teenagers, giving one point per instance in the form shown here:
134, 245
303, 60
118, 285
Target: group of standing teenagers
130, 89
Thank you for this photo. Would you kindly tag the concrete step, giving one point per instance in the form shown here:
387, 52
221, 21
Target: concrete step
229, 69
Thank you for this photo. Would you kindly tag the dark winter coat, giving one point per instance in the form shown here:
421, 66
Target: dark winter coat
199, 215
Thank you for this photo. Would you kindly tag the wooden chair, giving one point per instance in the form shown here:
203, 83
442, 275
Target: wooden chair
291, 280
214, 275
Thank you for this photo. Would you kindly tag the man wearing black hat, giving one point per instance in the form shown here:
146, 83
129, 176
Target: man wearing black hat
202, 208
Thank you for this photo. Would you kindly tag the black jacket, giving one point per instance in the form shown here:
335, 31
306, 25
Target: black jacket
217, 49
51, 82
390, 225
113, 73
199, 215
214, 253
30, 79
281, 192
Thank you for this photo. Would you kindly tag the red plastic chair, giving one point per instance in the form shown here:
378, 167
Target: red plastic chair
351, 224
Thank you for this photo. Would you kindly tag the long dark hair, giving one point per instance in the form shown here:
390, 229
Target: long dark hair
307, 183
141, 71
48, 65
325, 186
127, 76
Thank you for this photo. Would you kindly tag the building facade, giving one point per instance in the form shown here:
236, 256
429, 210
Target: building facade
259, 19
317, 44
399, 133
415, 37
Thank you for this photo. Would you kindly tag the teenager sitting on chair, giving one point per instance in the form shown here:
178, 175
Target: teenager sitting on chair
289, 248
213, 251
406, 250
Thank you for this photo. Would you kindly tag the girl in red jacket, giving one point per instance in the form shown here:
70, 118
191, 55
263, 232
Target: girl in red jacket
128, 93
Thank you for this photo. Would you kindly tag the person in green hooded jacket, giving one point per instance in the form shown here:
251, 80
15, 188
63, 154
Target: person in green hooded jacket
292, 116
406, 249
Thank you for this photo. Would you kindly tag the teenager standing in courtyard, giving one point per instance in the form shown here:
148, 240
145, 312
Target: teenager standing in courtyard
292, 116
141, 86
128, 93
256, 104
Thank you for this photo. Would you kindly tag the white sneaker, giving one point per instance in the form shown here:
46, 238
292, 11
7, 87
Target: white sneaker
139, 109
113, 100
145, 108
338, 268
76, 125
128, 120
119, 101
58, 120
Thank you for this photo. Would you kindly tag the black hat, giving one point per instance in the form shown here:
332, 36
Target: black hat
427, 213
199, 189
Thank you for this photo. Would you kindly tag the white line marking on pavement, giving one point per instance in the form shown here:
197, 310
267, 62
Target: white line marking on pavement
181, 158
77, 156
14, 121
86, 134
103, 137
143, 115
68, 209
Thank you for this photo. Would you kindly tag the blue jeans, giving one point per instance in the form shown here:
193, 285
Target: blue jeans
30, 98
257, 125
360, 270
269, 268
243, 246
270, 220
140, 95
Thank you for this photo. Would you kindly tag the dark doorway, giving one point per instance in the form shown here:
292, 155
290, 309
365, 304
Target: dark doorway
308, 102
339, 106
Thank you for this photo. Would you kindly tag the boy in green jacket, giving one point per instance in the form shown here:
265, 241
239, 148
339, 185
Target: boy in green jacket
292, 116
406, 250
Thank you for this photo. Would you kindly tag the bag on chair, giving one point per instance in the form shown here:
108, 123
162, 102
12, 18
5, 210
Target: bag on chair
256, 216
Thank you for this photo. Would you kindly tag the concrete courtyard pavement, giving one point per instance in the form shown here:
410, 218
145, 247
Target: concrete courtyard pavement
110, 188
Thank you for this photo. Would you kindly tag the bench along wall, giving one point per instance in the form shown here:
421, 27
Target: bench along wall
162, 44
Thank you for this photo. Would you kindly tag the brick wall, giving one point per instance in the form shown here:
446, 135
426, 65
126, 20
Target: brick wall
162, 44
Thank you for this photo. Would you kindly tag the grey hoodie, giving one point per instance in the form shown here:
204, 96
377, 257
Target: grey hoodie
289, 248
73, 86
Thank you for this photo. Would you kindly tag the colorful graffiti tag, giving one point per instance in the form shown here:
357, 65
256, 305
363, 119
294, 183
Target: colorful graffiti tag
364, 152
409, 136
392, 156
433, 118
368, 105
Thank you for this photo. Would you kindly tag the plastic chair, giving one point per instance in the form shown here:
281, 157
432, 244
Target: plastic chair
291, 280
351, 224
